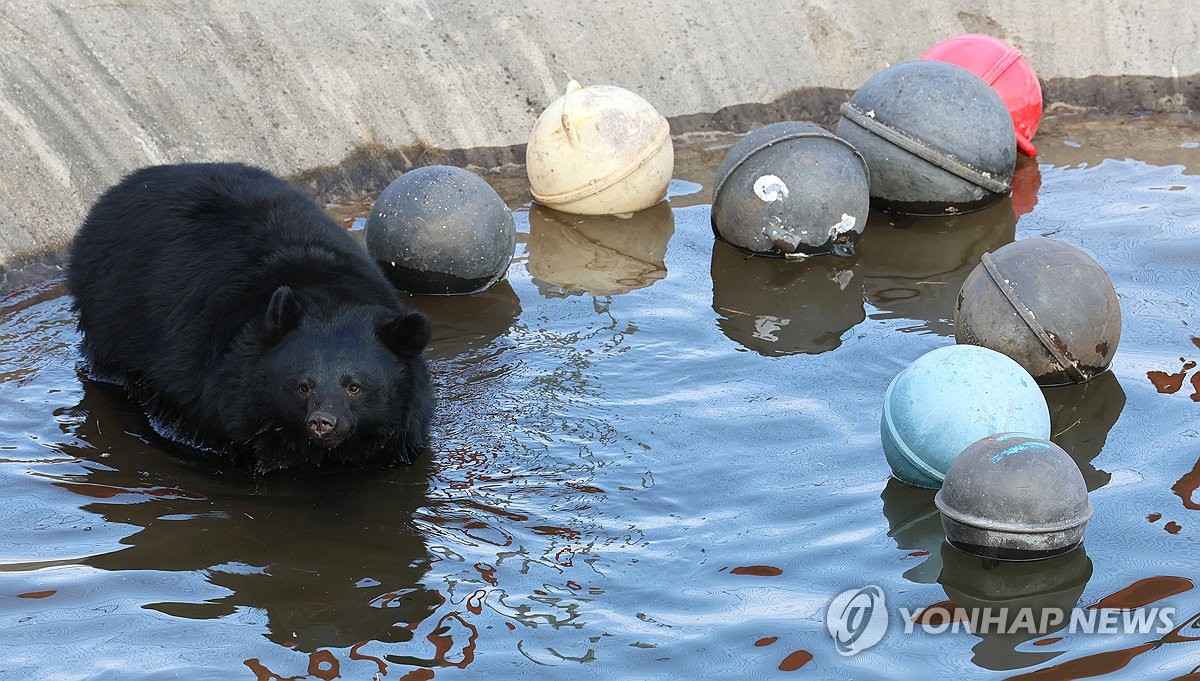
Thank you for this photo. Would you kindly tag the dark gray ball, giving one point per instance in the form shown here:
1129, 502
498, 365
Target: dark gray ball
791, 189
441, 230
937, 138
1046, 304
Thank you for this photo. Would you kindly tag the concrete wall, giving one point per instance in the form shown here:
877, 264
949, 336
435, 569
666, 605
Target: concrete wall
92, 89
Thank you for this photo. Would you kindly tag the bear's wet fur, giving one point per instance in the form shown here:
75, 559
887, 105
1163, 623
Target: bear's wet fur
248, 323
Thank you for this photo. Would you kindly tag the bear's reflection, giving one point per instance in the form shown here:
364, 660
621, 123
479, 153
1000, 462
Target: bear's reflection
598, 255
783, 307
914, 267
331, 559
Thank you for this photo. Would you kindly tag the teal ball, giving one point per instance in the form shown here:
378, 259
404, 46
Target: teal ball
949, 398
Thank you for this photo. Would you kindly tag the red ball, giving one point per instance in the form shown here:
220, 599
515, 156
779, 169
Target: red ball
1003, 67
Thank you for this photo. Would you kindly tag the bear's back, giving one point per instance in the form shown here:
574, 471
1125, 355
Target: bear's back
175, 262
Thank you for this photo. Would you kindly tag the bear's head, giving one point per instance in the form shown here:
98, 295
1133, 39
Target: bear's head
344, 385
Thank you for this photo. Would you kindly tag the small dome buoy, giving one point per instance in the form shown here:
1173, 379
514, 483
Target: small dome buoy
1014, 496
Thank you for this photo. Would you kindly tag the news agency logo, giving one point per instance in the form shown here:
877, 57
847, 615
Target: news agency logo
857, 619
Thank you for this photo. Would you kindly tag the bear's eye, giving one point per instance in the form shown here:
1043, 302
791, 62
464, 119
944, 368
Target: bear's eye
303, 388
353, 388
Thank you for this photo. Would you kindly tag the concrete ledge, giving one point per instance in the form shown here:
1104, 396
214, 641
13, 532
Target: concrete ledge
90, 91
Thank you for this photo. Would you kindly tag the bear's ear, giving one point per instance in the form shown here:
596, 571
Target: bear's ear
283, 314
407, 334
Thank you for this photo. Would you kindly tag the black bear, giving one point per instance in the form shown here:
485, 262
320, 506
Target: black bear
246, 322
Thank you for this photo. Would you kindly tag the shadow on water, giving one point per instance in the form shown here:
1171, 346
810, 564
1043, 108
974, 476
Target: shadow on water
776, 307
332, 559
915, 524
598, 255
913, 267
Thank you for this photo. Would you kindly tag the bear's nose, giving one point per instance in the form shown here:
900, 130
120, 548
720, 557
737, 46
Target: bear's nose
321, 424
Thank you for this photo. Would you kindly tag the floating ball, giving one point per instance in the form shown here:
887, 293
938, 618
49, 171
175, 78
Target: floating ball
949, 398
1012, 496
1001, 66
599, 150
1047, 305
791, 189
936, 138
441, 230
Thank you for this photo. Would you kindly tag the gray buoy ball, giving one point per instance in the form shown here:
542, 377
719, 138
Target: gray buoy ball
937, 138
1047, 305
791, 189
1014, 496
441, 230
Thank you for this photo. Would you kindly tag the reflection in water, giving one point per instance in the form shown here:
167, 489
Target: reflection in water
1026, 181
598, 255
795, 660
1081, 415
914, 267
784, 307
462, 324
330, 560
1171, 383
915, 524
974, 584
1144, 592
1185, 488
1099, 664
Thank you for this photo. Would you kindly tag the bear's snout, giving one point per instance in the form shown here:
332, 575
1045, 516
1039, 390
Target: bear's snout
323, 429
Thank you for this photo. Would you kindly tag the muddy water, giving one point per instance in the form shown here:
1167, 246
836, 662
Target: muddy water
654, 458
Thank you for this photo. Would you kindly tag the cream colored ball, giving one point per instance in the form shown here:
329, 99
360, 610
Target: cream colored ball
599, 150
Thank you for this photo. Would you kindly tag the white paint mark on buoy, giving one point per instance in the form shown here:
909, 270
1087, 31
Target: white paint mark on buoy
845, 225
770, 188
